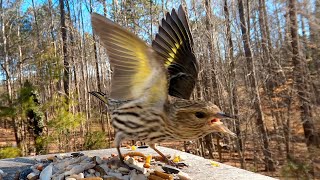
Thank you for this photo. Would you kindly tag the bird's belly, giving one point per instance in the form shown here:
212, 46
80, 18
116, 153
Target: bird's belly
149, 136
140, 126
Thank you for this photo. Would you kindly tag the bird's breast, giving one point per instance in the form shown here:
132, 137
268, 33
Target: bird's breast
140, 123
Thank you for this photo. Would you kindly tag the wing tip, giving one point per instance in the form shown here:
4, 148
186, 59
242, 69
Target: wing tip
96, 19
181, 9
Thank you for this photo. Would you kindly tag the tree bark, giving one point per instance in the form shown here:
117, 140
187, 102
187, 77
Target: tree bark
66, 70
300, 75
232, 86
211, 71
269, 165
315, 48
36, 24
6, 68
96, 55
273, 78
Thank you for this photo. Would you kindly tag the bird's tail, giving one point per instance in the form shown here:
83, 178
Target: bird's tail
110, 103
100, 95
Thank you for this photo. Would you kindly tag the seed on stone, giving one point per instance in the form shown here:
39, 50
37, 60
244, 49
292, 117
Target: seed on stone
146, 165
183, 176
92, 178
32, 176
40, 167
91, 171
123, 170
97, 174
70, 178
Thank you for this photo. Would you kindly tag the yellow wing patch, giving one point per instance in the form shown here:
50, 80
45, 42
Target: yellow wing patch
172, 54
137, 72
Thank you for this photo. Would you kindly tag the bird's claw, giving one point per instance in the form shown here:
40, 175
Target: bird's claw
177, 165
125, 165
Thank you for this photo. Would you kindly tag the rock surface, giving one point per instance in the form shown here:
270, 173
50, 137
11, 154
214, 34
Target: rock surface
199, 168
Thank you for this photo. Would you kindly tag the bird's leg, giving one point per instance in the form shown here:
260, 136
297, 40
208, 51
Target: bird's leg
117, 140
120, 155
153, 146
119, 137
122, 163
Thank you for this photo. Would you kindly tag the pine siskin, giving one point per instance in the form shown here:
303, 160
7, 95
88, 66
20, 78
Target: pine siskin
155, 84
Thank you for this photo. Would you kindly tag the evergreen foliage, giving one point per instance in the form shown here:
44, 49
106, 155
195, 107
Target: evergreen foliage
94, 140
9, 152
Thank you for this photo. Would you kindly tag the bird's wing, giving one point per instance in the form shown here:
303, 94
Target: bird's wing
175, 45
137, 72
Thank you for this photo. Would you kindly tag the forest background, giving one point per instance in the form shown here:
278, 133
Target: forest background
259, 61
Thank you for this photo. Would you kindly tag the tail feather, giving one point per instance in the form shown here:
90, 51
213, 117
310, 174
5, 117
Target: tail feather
111, 104
100, 95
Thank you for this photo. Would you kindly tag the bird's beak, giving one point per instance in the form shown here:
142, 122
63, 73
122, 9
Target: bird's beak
218, 126
223, 115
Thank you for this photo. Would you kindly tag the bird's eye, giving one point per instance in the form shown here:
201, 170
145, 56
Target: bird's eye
200, 114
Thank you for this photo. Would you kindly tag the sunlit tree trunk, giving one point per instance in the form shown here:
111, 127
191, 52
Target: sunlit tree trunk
254, 90
66, 69
232, 86
314, 28
212, 76
7, 73
300, 75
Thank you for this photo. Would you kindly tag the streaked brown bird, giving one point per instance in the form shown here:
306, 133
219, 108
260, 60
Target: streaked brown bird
155, 84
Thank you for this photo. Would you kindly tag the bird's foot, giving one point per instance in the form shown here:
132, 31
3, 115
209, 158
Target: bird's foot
125, 165
117, 163
173, 168
179, 165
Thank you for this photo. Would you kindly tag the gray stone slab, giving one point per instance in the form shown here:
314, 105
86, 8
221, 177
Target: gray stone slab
199, 168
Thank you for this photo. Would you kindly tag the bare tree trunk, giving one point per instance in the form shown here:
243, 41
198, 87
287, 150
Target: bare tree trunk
232, 86
272, 77
104, 8
96, 55
315, 36
71, 54
83, 73
20, 59
101, 106
254, 90
151, 20
211, 60
66, 71
36, 24
5, 65
300, 75
315, 48
6, 68
52, 27
212, 71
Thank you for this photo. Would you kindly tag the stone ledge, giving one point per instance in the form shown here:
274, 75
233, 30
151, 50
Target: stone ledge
199, 168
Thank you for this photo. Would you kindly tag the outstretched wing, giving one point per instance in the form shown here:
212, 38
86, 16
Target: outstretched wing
175, 45
137, 72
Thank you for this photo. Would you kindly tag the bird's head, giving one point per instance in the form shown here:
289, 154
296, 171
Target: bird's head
197, 118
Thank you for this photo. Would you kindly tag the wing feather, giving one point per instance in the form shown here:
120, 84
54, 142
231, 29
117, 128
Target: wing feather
137, 71
174, 44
